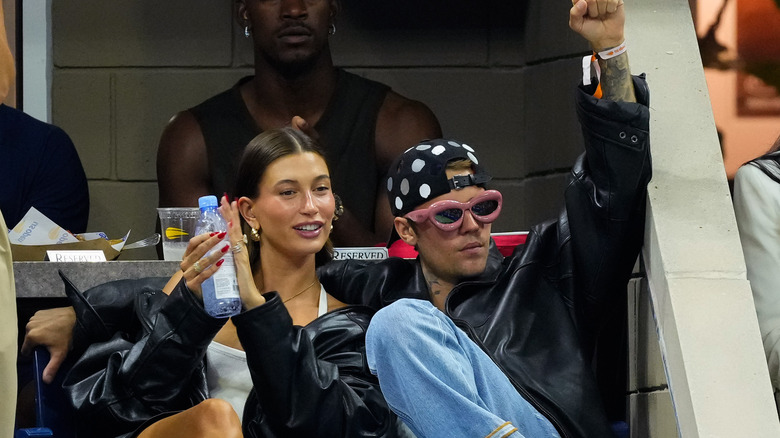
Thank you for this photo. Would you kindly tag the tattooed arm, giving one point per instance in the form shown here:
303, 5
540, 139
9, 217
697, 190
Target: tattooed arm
601, 23
616, 83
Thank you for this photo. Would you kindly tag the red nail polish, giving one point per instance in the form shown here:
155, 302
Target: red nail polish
236, 199
220, 262
213, 234
225, 248
222, 235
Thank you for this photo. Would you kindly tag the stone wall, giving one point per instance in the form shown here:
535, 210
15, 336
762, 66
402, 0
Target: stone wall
500, 75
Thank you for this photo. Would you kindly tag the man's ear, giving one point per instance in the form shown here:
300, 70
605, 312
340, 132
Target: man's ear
245, 208
405, 230
335, 8
240, 14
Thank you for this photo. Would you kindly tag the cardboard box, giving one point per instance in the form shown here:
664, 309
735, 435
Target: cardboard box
37, 253
35, 234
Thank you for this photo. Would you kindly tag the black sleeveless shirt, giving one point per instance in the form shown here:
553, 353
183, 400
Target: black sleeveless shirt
347, 132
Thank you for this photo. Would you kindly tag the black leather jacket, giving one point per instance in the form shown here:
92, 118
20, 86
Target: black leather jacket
143, 360
538, 311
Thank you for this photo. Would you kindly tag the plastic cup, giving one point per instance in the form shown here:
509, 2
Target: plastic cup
178, 225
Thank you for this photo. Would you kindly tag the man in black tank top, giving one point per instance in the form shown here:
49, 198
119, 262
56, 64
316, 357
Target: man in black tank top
362, 125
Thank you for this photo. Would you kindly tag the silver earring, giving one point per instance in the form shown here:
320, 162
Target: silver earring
246, 31
332, 29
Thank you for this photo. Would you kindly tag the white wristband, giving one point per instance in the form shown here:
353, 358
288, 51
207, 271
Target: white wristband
613, 52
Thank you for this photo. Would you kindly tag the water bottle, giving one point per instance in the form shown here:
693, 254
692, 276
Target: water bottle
220, 291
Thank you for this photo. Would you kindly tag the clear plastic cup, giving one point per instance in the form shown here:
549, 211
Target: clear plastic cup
178, 225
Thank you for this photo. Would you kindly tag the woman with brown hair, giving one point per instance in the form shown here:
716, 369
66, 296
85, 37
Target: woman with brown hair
301, 351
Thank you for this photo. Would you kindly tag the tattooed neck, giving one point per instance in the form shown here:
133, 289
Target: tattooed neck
616, 82
438, 289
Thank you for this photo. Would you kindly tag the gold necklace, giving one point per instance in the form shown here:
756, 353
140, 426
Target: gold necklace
302, 291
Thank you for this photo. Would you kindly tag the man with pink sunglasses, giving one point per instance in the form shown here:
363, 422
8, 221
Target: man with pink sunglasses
470, 343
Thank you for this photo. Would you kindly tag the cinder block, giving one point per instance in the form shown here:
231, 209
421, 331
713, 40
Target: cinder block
81, 105
116, 207
483, 108
529, 202
145, 102
507, 33
514, 210
645, 363
411, 33
141, 33
547, 32
652, 415
552, 136
544, 197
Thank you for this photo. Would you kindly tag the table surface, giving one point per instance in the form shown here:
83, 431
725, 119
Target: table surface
41, 280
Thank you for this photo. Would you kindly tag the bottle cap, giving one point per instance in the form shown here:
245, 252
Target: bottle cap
209, 201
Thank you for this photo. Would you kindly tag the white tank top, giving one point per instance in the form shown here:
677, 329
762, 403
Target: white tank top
227, 374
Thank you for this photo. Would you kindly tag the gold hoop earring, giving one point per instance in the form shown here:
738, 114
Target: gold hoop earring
255, 235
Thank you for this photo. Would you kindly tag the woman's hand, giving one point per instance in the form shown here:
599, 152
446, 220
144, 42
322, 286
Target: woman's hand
247, 281
197, 265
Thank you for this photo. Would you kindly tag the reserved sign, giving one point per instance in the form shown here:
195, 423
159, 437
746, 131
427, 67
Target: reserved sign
360, 253
76, 256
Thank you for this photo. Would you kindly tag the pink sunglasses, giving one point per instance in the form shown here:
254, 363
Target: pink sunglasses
448, 215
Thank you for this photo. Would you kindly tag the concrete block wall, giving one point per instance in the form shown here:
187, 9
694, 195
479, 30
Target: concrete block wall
500, 75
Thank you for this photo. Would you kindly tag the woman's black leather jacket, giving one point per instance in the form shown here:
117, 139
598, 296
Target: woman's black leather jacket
537, 312
143, 357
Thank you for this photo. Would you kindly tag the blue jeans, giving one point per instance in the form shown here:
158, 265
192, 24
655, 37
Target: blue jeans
439, 382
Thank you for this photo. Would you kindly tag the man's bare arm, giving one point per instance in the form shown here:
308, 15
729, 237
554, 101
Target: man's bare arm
616, 82
401, 124
182, 163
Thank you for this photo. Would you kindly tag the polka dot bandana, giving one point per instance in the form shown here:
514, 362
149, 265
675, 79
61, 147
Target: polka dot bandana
419, 174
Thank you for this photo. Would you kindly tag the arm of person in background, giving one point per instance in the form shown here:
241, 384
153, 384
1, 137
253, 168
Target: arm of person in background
757, 208
401, 123
182, 163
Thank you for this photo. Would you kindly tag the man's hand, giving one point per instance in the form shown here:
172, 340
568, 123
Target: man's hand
52, 328
598, 21
302, 125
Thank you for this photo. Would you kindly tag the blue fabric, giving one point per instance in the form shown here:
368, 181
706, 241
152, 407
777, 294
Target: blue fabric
440, 382
40, 168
